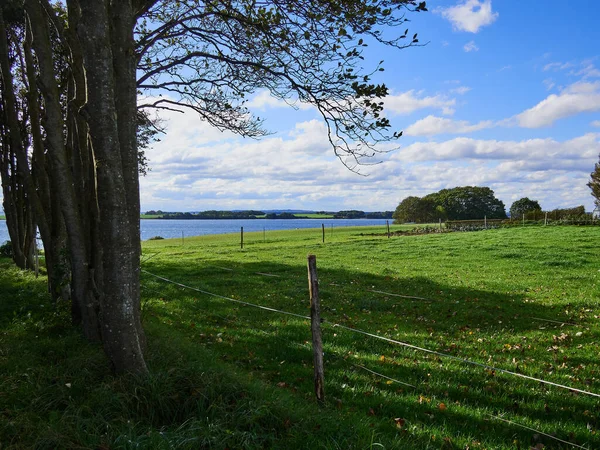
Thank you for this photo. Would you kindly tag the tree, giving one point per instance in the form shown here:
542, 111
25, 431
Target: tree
594, 184
468, 203
419, 210
208, 56
523, 206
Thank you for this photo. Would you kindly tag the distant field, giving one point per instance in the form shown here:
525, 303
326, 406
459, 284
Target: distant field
150, 216
315, 216
523, 300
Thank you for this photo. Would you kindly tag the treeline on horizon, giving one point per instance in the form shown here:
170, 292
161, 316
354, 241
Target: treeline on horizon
252, 214
474, 203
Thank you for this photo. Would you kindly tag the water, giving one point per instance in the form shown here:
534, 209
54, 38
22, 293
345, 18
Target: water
3, 232
174, 228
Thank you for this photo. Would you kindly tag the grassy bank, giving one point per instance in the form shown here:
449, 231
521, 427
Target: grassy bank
227, 375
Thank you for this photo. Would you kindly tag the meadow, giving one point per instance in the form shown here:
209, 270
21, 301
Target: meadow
229, 375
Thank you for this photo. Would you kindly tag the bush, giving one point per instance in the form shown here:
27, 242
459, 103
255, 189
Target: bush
6, 249
156, 238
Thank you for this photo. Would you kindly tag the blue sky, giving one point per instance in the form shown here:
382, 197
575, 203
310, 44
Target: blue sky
505, 94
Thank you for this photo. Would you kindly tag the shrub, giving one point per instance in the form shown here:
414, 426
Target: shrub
156, 238
6, 249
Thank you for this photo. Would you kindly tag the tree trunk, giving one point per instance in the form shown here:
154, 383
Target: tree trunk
50, 222
112, 146
85, 308
19, 176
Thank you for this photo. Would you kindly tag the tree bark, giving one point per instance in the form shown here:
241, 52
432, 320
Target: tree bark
20, 178
84, 304
111, 138
50, 222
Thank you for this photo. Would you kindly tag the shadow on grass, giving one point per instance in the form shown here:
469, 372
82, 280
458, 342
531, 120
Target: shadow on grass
450, 400
230, 376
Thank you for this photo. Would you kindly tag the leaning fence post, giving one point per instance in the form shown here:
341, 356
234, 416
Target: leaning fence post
315, 327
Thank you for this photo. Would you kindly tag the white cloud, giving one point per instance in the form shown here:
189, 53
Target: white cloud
298, 169
577, 98
588, 71
470, 47
462, 90
432, 125
595, 124
556, 66
549, 83
411, 101
544, 154
264, 100
470, 15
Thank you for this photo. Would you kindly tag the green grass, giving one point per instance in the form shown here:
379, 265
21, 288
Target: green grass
224, 375
151, 216
314, 216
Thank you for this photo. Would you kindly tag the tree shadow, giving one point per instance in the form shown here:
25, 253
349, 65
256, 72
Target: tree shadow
492, 328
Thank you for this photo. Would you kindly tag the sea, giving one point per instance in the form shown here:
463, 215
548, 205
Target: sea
167, 228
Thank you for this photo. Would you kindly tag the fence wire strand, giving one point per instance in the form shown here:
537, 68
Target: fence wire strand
383, 338
537, 431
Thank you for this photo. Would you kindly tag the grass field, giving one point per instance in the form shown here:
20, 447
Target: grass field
150, 216
226, 375
314, 216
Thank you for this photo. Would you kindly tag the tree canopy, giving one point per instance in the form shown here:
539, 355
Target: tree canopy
523, 206
71, 129
459, 203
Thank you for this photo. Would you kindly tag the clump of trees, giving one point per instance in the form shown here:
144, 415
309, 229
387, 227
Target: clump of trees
524, 206
70, 122
459, 203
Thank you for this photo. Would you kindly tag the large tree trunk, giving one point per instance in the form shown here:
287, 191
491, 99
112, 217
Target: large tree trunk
113, 145
50, 222
85, 308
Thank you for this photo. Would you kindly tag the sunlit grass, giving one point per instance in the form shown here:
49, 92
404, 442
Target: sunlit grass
225, 375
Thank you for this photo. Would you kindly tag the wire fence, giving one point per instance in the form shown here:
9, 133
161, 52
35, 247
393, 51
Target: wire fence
362, 332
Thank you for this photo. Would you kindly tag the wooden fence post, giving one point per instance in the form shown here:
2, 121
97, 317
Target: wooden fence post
315, 326
323, 227
387, 222
485, 222
242, 238
546, 219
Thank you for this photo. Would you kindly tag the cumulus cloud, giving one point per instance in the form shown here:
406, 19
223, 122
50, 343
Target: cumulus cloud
470, 47
470, 15
577, 98
411, 101
547, 152
595, 124
264, 100
193, 170
432, 125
